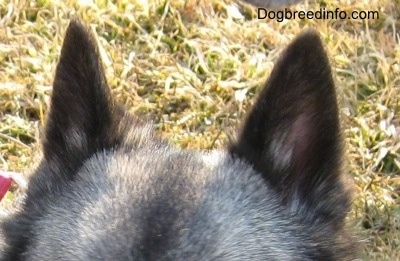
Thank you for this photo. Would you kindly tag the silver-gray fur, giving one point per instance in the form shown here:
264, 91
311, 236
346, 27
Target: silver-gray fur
109, 189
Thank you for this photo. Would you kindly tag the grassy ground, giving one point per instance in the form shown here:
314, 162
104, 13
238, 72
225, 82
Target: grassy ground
195, 66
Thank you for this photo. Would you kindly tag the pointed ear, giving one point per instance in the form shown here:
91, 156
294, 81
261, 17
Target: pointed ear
81, 107
292, 134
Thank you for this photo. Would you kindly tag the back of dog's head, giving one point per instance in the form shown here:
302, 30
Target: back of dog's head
109, 189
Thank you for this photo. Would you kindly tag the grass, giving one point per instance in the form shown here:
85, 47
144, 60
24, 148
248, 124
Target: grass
195, 66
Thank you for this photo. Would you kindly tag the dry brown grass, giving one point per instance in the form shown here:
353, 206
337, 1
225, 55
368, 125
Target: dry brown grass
194, 68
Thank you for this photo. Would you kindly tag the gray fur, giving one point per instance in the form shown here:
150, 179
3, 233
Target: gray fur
109, 189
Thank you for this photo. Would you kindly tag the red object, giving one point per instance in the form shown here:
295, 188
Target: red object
5, 183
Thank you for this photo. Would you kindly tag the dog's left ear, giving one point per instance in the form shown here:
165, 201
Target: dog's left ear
292, 134
81, 109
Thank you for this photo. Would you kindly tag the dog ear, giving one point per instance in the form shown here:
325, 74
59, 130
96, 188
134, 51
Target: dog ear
83, 117
81, 105
292, 135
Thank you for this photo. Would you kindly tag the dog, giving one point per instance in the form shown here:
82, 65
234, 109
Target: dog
108, 188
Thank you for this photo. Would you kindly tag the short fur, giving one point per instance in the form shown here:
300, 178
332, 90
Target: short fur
109, 189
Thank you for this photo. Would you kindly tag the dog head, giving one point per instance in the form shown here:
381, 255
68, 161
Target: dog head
109, 189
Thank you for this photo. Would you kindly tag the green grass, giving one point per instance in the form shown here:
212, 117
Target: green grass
194, 67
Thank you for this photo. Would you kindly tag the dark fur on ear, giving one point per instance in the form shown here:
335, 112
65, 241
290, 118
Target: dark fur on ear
80, 96
83, 118
292, 134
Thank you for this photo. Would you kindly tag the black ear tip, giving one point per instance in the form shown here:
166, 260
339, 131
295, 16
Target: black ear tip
78, 38
76, 27
310, 35
307, 42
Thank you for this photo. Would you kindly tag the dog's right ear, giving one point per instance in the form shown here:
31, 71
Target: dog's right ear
82, 110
